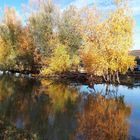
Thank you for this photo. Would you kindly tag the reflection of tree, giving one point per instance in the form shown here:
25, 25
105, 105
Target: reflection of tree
45, 111
14, 103
49, 110
14, 93
62, 119
104, 119
10, 84
59, 93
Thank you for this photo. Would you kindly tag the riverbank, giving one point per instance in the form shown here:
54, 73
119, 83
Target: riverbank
78, 77
135, 74
85, 78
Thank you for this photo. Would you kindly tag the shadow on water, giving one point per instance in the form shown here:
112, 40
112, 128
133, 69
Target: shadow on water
45, 110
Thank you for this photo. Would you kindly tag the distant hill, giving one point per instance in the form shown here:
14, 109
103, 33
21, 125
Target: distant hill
135, 53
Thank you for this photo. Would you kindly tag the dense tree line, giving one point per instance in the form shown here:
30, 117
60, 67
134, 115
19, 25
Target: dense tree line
56, 41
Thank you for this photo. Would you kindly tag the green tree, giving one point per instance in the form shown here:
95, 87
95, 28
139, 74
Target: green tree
69, 29
42, 25
59, 62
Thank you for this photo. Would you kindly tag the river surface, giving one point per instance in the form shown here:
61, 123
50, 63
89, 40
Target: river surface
48, 110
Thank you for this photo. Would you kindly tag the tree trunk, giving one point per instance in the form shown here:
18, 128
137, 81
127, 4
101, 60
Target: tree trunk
113, 78
91, 81
104, 77
110, 80
107, 78
117, 76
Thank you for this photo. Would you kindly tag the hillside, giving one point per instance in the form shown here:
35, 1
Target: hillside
135, 53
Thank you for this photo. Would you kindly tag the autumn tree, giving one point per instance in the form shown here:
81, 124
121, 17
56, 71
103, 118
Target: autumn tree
42, 22
59, 61
16, 43
69, 28
107, 42
26, 51
69, 33
10, 28
51, 38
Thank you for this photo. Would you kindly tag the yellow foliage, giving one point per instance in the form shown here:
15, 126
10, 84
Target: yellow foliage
93, 60
3, 51
107, 42
59, 62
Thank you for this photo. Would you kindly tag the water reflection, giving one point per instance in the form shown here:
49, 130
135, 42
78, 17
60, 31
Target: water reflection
104, 119
47, 110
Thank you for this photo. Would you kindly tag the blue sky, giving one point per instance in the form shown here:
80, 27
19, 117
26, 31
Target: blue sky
135, 5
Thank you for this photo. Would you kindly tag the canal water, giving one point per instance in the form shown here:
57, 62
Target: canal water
48, 110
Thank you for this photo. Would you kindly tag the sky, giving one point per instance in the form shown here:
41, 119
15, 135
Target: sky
134, 4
